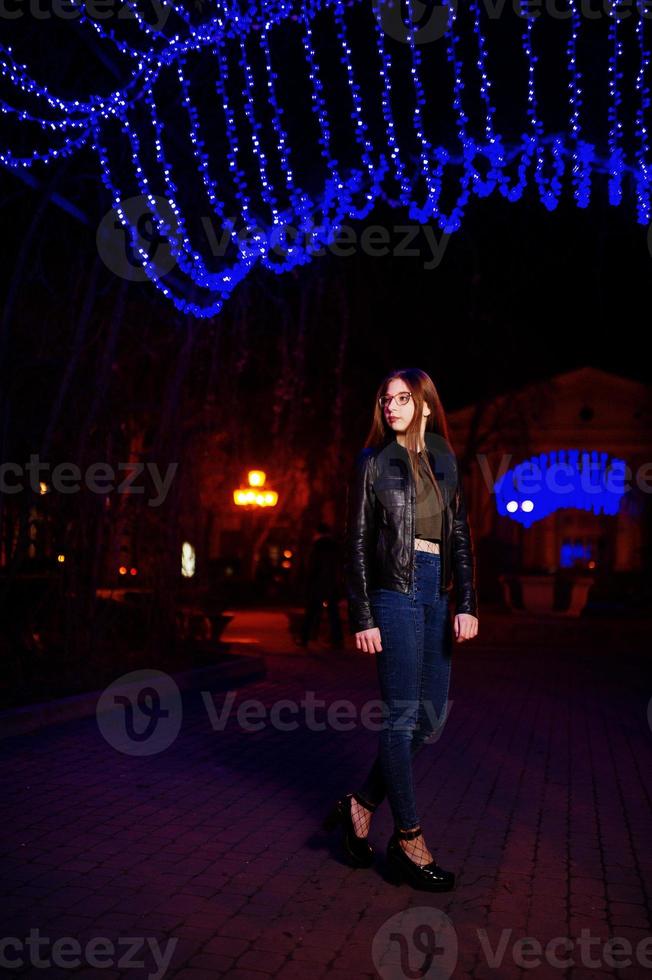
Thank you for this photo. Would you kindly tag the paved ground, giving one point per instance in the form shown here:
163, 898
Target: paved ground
210, 849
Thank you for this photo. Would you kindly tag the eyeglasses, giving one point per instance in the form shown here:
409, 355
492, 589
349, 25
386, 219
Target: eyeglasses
402, 398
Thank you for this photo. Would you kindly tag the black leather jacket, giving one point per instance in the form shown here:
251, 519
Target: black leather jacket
381, 505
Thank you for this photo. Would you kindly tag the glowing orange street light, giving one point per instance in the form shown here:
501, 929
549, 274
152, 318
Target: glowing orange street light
251, 496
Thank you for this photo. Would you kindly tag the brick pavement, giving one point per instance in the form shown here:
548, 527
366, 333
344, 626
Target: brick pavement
537, 794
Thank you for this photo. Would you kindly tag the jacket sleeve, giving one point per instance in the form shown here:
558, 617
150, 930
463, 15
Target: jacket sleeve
464, 563
359, 534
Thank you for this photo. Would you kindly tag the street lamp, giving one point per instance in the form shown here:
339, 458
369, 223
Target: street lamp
254, 497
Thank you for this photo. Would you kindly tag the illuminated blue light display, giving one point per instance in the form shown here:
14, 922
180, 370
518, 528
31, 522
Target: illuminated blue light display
254, 195
540, 485
577, 553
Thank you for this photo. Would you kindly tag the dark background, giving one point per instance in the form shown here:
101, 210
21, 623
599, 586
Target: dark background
287, 373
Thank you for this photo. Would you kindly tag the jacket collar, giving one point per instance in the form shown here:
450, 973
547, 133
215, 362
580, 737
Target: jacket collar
393, 460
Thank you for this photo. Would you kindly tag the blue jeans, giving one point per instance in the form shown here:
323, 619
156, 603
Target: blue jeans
414, 674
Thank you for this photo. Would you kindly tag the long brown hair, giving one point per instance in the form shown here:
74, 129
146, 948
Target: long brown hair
423, 391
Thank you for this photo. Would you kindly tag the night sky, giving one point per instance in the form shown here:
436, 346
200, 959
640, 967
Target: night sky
517, 294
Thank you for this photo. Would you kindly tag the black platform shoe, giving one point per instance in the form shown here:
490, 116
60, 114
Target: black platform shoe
359, 850
427, 877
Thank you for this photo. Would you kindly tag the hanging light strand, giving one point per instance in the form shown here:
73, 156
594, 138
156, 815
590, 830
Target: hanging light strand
253, 191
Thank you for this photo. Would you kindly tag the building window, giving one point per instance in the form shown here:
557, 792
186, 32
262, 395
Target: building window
582, 552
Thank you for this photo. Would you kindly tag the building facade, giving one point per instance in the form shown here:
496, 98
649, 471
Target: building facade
586, 410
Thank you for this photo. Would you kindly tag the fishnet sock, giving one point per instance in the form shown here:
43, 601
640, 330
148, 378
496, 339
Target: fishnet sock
361, 818
417, 849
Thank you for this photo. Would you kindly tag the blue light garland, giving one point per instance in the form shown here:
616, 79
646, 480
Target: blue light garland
255, 194
642, 113
616, 154
582, 152
561, 479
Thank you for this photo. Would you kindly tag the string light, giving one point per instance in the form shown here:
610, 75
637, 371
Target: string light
642, 113
255, 192
492, 149
432, 181
582, 152
614, 140
399, 170
360, 131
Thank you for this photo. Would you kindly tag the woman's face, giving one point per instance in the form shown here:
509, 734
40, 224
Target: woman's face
398, 417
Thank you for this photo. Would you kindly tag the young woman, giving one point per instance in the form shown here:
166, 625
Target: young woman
408, 543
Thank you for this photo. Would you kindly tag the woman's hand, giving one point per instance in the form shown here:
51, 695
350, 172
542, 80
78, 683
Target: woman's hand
369, 641
466, 627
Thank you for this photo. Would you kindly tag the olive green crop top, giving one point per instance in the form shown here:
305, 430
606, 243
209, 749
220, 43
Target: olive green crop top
428, 509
